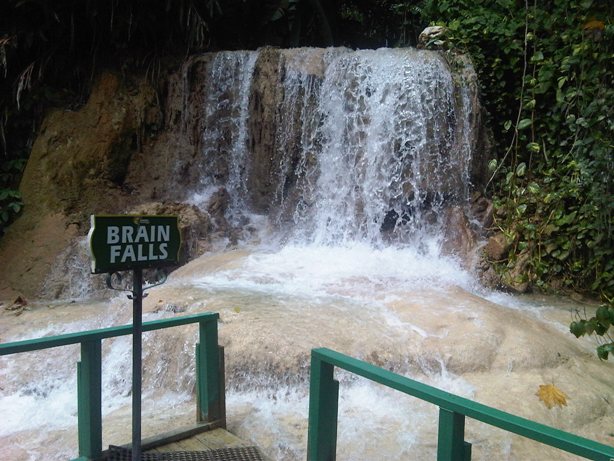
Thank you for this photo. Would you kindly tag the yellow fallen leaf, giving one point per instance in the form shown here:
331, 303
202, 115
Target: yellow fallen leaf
237, 309
594, 24
551, 395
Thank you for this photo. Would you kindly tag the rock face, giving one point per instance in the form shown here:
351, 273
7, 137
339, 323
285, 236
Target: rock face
308, 137
78, 165
89, 161
518, 280
460, 239
194, 226
264, 100
79, 156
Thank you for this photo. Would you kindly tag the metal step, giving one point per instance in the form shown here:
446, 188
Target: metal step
222, 454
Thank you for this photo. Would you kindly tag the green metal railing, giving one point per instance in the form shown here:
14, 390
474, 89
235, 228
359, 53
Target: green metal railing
451, 446
209, 373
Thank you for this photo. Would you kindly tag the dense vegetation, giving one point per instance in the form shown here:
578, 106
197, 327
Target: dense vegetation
549, 87
548, 83
545, 70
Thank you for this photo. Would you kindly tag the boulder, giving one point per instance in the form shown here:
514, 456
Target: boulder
429, 34
459, 239
517, 279
482, 210
218, 204
194, 225
497, 247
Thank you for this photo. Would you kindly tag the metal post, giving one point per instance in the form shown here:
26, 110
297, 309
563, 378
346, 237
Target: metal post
323, 411
451, 445
89, 386
137, 334
210, 389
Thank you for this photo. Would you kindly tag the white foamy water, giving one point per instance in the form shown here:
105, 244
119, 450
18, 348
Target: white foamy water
352, 270
365, 409
386, 306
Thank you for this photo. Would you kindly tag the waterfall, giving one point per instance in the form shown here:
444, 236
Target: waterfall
222, 119
338, 145
388, 127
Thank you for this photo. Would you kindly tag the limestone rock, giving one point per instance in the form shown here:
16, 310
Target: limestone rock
517, 279
19, 303
217, 207
70, 274
77, 167
430, 33
482, 209
218, 204
267, 97
78, 154
459, 239
489, 277
497, 247
194, 226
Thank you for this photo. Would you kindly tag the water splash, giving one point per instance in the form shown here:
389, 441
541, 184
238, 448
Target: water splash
368, 145
386, 132
224, 112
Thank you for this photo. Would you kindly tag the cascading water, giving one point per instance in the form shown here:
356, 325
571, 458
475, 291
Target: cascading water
339, 170
387, 124
352, 145
221, 131
225, 117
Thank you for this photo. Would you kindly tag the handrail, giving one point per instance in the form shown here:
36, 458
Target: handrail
209, 373
47, 342
323, 409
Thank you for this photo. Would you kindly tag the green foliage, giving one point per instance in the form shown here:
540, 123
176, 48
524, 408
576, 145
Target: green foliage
599, 325
547, 81
377, 23
492, 33
546, 76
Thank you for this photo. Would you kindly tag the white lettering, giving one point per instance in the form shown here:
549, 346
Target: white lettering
164, 233
141, 235
127, 232
152, 256
163, 252
128, 253
141, 256
140, 243
115, 250
112, 234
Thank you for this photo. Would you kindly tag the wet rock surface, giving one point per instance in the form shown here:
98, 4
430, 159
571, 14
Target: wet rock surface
446, 336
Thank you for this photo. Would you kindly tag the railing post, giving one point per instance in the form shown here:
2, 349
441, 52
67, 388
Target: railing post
209, 392
89, 388
451, 445
323, 411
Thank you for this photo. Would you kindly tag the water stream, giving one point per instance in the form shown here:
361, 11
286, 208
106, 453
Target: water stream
340, 206
419, 316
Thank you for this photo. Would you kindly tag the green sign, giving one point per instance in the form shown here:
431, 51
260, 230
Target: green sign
119, 243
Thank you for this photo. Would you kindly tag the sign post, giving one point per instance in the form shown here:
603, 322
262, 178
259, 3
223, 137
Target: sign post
119, 243
137, 358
